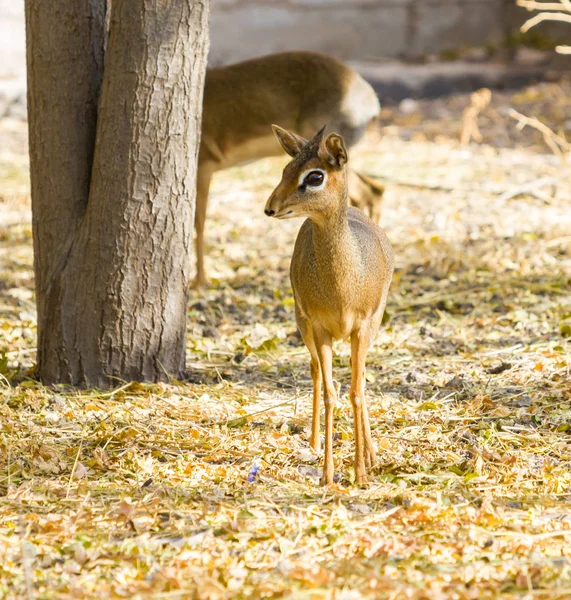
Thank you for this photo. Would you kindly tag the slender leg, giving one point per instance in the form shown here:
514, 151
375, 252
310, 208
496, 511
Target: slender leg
325, 353
202, 186
314, 440
307, 335
370, 454
359, 345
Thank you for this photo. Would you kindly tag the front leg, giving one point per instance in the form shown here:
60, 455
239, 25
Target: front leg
307, 335
314, 440
323, 344
363, 442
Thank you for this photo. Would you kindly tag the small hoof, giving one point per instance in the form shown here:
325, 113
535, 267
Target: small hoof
198, 285
325, 480
370, 459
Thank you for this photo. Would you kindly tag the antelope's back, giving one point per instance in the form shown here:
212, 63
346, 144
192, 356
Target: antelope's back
300, 91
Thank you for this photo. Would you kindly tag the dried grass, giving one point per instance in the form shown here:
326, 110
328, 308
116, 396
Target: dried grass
144, 492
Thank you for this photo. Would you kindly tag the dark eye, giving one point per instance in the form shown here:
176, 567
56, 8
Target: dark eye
314, 178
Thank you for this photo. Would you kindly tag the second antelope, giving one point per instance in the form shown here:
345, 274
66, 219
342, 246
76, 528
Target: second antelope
300, 90
341, 270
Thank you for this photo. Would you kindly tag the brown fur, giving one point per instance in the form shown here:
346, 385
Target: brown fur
341, 270
299, 90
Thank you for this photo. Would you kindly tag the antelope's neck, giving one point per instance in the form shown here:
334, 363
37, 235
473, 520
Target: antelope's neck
336, 251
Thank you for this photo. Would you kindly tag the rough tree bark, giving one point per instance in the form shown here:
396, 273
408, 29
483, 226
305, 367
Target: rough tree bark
65, 47
113, 301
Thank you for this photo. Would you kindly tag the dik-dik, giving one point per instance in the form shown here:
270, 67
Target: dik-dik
341, 270
300, 91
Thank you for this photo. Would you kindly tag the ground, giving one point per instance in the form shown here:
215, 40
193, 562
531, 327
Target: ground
208, 489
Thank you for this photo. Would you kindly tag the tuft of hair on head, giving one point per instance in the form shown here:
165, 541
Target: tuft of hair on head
292, 143
318, 137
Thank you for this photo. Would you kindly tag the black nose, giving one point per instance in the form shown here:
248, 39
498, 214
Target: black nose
270, 212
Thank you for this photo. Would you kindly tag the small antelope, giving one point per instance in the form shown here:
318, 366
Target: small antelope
341, 270
300, 90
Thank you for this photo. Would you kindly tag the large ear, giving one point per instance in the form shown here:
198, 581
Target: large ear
290, 142
332, 149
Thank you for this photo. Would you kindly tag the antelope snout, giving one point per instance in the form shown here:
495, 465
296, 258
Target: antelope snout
279, 205
270, 209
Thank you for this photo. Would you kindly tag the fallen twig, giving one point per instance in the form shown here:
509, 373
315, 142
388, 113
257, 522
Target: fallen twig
530, 188
545, 16
558, 144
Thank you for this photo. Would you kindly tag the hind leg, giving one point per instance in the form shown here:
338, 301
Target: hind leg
370, 453
204, 176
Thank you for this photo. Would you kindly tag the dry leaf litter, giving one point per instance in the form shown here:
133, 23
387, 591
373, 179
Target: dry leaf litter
207, 488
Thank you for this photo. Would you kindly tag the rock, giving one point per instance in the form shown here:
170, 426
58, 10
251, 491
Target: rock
408, 106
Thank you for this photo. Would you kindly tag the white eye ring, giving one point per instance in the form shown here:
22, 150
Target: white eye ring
313, 188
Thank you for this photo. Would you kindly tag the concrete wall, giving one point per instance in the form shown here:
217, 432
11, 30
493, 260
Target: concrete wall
356, 29
12, 39
350, 29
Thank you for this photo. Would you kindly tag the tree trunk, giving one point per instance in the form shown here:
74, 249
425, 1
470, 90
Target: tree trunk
115, 304
65, 47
